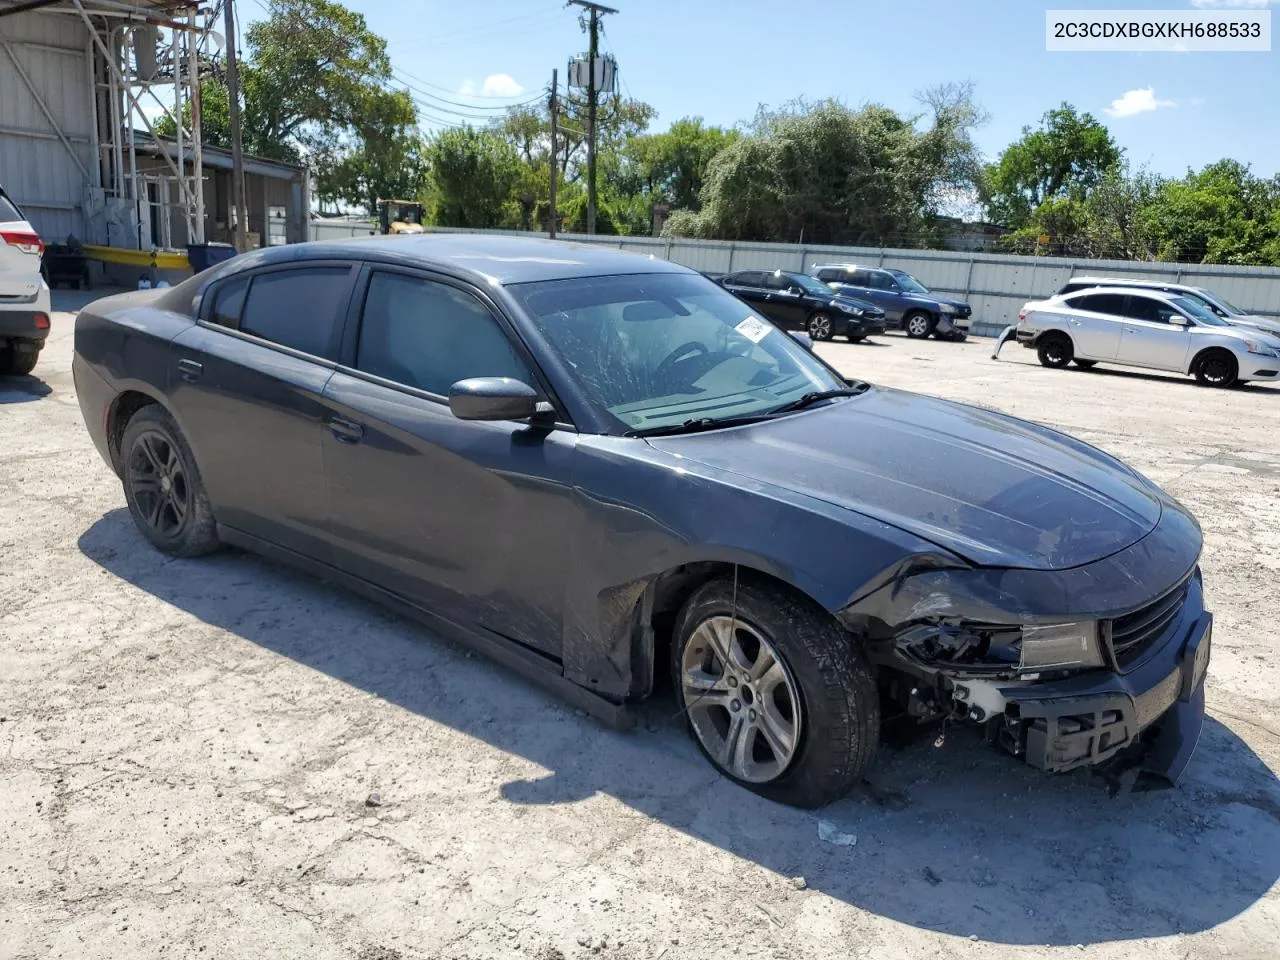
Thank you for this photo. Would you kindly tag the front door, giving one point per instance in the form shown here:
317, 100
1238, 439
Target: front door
246, 385
786, 300
467, 519
1151, 337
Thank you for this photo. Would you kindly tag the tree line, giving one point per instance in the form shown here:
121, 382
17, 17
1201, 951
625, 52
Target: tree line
318, 88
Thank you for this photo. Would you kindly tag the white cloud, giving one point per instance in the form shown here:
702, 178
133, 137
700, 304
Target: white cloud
494, 85
1133, 102
500, 85
1210, 4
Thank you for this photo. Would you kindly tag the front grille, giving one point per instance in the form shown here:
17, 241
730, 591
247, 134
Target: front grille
1134, 633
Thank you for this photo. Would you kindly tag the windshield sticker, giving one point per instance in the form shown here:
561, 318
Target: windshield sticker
753, 329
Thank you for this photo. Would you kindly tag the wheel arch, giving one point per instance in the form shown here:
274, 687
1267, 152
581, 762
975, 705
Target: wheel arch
122, 409
670, 590
1206, 351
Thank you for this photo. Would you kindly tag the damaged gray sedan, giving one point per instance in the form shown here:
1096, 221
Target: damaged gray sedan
601, 470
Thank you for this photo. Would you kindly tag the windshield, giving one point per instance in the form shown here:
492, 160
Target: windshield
810, 285
1198, 310
1220, 306
909, 283
657, 350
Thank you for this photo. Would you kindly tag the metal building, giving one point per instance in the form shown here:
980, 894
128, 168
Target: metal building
84, 87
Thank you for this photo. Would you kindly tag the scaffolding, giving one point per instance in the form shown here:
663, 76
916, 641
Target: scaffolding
145, 60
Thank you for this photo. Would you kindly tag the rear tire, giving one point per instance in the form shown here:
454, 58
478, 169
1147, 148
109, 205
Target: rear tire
1055, 350
17, 363
163, 487
795, 680
1085, 364
819, 327
918, 325
1216, 368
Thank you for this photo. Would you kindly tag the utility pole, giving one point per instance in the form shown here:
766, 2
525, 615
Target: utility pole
237, 146
595, 11
554, 108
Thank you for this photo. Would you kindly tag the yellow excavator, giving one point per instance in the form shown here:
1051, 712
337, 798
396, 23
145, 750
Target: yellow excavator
399, 216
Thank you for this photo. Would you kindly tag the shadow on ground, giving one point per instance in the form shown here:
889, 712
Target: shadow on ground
956, 839
23, 389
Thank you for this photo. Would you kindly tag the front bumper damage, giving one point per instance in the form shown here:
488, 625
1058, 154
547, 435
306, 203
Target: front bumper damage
1147, 720
1141, 713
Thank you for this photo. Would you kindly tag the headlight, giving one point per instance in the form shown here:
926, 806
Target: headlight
947, 308
848, 308
1005, 647
1058, 645
1261, 349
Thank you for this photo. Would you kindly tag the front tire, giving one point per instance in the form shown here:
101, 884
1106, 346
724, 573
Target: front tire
163, 487
918, 325
1085, 364
1055, 350
1216, 368
857, 337
819, 327
776, 694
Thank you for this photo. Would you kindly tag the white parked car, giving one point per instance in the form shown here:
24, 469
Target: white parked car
24, 296
1219, 305
1135, 327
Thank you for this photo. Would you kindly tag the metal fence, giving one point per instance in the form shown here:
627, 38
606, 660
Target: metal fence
995, 284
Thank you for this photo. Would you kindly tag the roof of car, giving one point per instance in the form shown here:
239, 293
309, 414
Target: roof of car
498, 259
1128, 282
1125, 289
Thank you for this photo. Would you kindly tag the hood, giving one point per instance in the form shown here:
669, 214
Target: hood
1269, 325
864, 305
1241, 332
994, 490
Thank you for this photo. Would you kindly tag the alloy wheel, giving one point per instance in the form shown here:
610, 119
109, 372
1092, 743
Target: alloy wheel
1217, 371
742, 703
918, 326
820, 327
159, 483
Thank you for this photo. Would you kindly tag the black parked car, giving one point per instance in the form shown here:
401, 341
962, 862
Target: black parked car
908, 304
596, 468
800, 301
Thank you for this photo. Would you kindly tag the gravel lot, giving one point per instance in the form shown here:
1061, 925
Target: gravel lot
221, 758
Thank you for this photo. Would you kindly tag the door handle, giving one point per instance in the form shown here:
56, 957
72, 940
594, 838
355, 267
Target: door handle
189, 370
1074, 322
346, 431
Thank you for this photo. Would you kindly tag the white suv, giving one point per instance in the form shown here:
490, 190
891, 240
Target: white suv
24, 296
1146, 328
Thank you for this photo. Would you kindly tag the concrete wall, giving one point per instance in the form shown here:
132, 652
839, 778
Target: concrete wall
995, 284
45, 176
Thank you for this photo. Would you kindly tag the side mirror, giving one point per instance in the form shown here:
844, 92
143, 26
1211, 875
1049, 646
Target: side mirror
1178, 320
895, 288
803, 339
492, 398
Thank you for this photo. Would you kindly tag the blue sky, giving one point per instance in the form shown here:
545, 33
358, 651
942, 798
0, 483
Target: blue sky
719, 60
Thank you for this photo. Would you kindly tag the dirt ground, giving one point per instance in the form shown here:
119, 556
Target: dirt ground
221, 758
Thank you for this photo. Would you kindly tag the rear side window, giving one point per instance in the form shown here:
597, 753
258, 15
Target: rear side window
297, 308
229, 302
430, 335
1112, 303
8, 212
747, 278
833, 276
1071, 288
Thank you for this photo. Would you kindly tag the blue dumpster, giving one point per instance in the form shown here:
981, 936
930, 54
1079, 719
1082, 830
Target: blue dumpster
205, 255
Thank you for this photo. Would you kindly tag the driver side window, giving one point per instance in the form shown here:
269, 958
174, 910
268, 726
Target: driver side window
430, 335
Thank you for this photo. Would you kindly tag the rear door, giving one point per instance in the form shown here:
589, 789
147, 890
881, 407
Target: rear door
246, 385
468, 519
1094, 322
1150, 338
20, 250
750, 285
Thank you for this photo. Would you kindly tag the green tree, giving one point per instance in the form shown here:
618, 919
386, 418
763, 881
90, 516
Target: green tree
673, 165
1066, 156
1222, 214
475, 173
827, 174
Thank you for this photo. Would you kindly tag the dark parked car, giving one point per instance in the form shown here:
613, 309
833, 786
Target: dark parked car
907, 303
598, 468
799, 301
